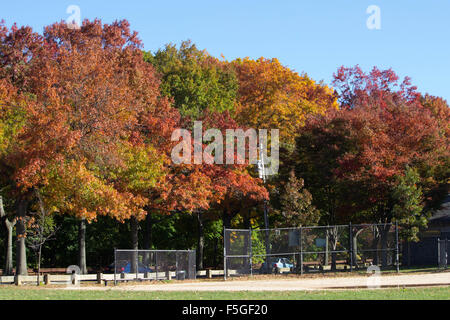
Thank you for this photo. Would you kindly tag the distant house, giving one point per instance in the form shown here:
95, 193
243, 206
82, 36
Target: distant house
425, 252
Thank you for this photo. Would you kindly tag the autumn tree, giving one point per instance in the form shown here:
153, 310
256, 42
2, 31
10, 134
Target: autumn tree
435, 178
91, 87
320, 145
356, 87
272, 96
12, 118
210, 191
17, 47
296, 204
195, 80
354, 160
203, 88
409, 204
9, 225
395, 131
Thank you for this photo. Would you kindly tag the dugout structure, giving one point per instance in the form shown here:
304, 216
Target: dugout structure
309, 249
147, 265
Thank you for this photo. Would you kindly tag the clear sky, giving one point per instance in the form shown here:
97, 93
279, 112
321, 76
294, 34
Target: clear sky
315, 37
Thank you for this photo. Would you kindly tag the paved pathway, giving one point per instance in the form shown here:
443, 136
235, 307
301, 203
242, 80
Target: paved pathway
293, 284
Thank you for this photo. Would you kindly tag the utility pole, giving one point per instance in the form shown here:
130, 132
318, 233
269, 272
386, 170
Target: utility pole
262, 175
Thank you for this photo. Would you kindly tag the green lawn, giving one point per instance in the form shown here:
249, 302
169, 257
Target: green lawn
30, 293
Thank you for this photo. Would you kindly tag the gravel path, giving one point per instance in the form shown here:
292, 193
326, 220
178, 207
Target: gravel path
293, 284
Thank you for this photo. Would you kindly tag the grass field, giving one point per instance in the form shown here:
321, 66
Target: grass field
32, 293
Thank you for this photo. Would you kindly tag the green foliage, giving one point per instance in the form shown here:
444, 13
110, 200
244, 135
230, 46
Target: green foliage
141, 170
213, 252
12, 119
195, 80
319, 147
408, 207
258, 247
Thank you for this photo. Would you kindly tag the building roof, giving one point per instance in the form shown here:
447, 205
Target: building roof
443, 214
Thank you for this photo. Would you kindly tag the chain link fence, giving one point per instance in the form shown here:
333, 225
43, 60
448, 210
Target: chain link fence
306, 249
154, 265
443, 250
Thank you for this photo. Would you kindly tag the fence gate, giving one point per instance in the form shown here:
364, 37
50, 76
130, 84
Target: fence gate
443, 252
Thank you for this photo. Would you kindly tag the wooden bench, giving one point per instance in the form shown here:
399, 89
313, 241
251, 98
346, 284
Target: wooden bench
317, 263
364, 262
30, 271
58, 271
308, 265
52, 270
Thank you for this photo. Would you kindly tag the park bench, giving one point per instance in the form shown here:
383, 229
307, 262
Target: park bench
318, 263
308, 265
30, 271
51, 270
364, 262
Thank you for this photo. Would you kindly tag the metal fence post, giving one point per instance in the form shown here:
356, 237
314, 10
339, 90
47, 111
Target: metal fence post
251, 251
224, 254
350, 235
193, 255
439, 252
115, 266
446, 253
137, 265
397, 252
176, 266
301, 251
156, 265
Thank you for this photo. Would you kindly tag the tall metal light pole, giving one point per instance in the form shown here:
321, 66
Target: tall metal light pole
262, 175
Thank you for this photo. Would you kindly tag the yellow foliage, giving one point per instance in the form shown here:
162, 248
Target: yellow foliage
272, 96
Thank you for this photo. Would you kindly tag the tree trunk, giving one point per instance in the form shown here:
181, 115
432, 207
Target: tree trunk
226, 219
216, 249
9, 248
134, 244
21, 251
8, 270
409, 253
39, 265
355, 246
82, 246
147, 243
376, 238
247, 220
148, 237
201, 241
333, 235
246, 248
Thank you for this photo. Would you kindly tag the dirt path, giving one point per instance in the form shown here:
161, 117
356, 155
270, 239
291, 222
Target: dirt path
294, 284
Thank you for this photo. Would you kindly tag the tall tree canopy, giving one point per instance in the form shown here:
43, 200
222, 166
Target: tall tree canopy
272, 96
86, 123
195, 80
372, 140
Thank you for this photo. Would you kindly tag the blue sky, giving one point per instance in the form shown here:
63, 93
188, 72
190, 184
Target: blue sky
315, 37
